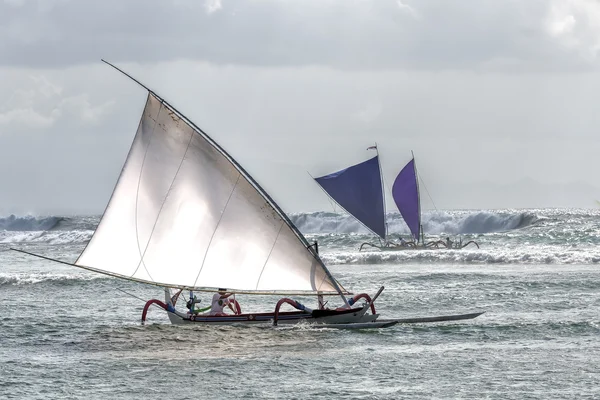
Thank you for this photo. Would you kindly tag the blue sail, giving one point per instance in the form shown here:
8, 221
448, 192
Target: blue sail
358, 190
406, 195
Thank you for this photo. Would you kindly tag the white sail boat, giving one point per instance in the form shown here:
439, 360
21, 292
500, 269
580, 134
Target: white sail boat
185, 215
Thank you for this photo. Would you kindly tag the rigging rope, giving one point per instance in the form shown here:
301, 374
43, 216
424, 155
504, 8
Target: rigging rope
166, 195
132, 295
426, 190
338, 217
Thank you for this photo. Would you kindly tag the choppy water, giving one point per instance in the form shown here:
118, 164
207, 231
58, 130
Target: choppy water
67, 333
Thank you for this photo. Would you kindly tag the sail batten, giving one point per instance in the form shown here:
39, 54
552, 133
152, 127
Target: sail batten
405, 192
358, 190
185, 214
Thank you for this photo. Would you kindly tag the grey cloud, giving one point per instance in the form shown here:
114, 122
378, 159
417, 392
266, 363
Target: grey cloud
306, 86
426, 34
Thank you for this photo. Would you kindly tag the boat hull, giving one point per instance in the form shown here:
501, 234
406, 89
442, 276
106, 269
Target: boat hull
352, 318
340, 316
355, 315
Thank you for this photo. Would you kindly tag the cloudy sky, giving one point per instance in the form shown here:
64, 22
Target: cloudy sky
497, 98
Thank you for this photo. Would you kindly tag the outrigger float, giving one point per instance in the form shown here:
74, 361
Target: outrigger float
412, 245
185, 215
360, 191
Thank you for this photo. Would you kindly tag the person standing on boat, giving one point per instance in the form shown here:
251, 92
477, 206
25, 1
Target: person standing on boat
219, 301
448, 243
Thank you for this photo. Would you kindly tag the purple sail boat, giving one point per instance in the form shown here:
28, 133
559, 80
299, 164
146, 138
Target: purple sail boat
359, 190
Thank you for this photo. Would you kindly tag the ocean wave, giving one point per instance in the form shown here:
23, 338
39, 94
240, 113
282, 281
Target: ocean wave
22, 279
531, 256
434, 222
49, 237
30, 223
49, 229
476, 222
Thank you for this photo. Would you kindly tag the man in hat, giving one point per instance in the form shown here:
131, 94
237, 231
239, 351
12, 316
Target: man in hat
219, 301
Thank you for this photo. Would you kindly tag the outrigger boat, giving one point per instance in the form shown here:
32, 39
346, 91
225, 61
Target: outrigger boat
185, 215
359, 190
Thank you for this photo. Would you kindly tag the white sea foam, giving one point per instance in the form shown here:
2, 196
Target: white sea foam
434, 222
50, 237
495, 255
16, 279
28, 223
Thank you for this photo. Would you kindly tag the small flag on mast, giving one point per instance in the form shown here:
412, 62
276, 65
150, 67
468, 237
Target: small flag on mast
372, 147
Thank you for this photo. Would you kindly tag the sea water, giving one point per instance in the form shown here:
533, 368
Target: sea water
68, 333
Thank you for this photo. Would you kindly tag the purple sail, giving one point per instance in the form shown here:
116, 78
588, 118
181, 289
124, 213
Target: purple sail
358, 190
406, 196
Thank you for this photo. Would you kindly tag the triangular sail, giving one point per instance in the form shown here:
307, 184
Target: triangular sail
406, 195
358, 190
184, 214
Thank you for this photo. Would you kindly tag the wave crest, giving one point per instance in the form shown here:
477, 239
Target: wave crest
435, 222
20, 279
527, 256
65, 230
29, 223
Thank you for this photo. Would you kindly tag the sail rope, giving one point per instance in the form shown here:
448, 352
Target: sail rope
165, 198
145, 301
132, 295
217, 226
268, 257
382, 194
338, 217
427, 191
137, 195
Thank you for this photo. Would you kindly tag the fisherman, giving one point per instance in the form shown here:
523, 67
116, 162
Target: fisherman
448, 243
219, 301
403, 242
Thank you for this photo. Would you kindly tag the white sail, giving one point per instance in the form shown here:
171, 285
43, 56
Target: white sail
183, 214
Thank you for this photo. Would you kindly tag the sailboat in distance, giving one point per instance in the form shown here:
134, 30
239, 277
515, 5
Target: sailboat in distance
360, 191
185, 215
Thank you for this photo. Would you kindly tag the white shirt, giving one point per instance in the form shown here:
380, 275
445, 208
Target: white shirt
217, 304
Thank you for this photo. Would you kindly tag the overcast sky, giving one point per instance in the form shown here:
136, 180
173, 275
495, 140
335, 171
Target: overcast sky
497, 98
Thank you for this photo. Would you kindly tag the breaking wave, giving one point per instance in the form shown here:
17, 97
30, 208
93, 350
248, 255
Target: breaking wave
477, 222
29, 223
438, 222
49, 237
528, 256
79, 229
50, 229
23, 279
